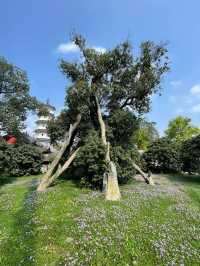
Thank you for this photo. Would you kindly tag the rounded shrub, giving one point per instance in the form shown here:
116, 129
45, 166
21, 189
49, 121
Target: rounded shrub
162, 157
190, 155
123, 160
90, 165
19, 160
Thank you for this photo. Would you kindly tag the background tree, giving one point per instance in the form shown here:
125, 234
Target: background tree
180, 129
145, 135
15, 99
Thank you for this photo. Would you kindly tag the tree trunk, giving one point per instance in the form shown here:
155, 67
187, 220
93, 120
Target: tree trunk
67, 140
110, 180
147, 179
101, 123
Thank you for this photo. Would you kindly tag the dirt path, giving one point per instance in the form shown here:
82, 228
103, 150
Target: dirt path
158, 179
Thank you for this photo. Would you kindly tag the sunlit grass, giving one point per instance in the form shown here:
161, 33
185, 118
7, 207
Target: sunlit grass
66, 225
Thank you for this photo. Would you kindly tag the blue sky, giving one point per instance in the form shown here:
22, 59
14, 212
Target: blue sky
34, 36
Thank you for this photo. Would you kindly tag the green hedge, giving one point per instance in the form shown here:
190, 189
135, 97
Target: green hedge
19, 160
123, 160
90, 164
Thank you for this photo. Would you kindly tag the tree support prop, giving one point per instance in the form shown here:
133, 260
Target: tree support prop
61, 169
112, 191
67, 141
147, 179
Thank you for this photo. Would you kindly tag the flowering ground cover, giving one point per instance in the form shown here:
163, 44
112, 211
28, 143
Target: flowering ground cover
67, 225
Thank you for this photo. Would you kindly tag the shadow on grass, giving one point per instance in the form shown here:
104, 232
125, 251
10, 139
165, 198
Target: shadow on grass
6, 180
190, 179
20, 248
195, 196
75, 181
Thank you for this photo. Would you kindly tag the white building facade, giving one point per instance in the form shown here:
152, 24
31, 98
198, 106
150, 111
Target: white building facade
41, 135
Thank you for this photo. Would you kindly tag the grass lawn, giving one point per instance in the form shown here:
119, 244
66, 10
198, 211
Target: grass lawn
157, 225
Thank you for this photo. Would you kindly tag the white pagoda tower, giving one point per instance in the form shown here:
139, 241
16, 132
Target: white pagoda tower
41, 136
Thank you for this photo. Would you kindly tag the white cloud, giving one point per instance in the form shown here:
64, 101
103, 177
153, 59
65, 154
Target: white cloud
196, 108
65, 48
195, 90
99, 49
175, 83
70, 47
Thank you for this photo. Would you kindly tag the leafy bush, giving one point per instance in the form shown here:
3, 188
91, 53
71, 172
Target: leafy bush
163, 157
123, 160
90, 165
20, 160
190, 155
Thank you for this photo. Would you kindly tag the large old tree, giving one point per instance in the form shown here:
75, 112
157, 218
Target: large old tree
108, 92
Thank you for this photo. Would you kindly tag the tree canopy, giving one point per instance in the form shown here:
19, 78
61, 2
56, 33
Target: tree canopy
122, 83
116, 77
